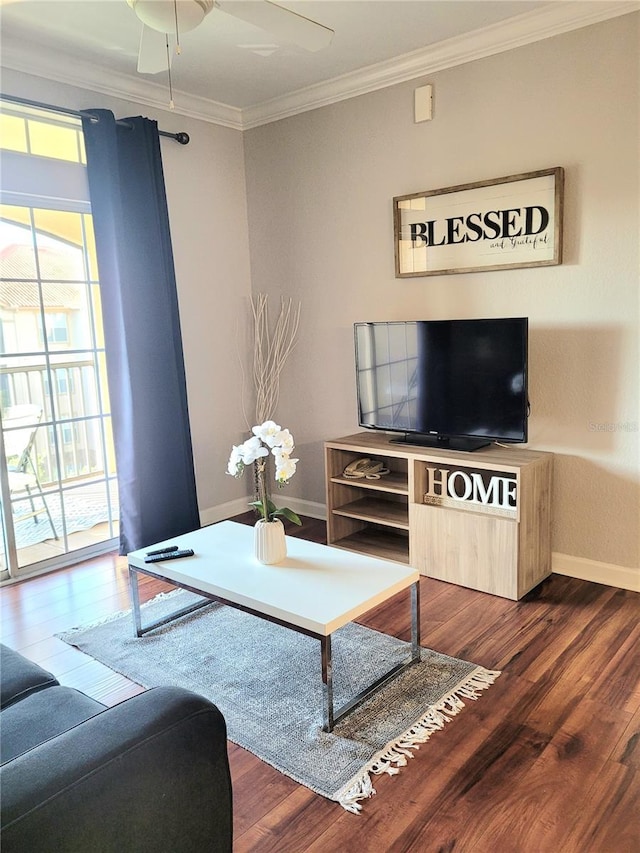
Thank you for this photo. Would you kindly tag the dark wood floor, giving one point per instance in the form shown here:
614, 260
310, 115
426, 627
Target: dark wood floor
547, 761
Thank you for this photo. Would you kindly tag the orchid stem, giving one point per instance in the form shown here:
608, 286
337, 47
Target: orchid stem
262, 489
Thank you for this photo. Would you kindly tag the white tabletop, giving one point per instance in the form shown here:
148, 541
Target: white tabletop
316, 587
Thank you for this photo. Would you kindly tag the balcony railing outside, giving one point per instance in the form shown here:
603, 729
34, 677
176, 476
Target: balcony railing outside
72, 451
74, 441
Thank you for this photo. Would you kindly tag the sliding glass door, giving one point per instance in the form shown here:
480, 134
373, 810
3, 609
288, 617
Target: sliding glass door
58, 475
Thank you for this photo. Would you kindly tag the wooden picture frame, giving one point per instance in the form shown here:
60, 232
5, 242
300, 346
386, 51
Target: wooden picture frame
504, 223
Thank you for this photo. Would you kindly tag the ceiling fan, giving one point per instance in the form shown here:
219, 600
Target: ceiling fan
164, 18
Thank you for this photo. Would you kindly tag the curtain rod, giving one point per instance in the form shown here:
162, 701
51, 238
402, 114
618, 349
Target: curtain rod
182, 138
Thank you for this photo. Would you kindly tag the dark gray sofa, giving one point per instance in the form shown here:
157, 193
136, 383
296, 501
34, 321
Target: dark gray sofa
149, 774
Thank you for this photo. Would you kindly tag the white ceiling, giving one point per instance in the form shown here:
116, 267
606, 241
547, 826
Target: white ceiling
235, 74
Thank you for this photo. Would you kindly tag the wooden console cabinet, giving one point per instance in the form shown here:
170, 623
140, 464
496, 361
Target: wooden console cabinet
481, 519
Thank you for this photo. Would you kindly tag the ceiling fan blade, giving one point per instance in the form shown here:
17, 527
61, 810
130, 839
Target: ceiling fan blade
153, 56
279, 22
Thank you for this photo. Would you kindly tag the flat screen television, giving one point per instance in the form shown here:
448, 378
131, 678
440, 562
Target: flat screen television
455, 384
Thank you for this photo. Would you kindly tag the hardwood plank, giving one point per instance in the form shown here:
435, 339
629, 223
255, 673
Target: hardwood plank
627, 750
618, 681
548, 759
616, 825
551, 623
460, 769
539, 813
287, 827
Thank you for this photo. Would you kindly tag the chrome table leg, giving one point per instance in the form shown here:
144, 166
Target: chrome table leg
331, 715
135, 601
327, 685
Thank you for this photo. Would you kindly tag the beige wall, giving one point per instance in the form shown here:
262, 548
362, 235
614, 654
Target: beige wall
320, 187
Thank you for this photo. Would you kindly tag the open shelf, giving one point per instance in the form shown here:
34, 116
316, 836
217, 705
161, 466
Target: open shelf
394, 482
479, 519
376, 510
387, 544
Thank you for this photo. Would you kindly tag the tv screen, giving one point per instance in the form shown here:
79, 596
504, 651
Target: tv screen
460, 384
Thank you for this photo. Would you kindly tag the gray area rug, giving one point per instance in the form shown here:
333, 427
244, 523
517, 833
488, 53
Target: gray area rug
266, 681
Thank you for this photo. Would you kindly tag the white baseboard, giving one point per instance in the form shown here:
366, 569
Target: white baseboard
310, 508
561, 564
237, 507
595, 571
223, 511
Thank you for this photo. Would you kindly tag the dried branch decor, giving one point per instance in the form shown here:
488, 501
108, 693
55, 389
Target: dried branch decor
271, 350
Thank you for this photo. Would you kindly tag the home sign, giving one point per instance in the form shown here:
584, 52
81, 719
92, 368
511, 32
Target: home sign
503, 223
485, 491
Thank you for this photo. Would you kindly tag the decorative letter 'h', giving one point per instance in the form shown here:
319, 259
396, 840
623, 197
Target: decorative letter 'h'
433, 481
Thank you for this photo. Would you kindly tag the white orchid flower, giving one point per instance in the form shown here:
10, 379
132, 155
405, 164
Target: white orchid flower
267, 432
236, 465
252, 449
286, 469
284, 439
266, 437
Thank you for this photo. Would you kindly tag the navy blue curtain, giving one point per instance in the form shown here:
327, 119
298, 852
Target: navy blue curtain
143, 342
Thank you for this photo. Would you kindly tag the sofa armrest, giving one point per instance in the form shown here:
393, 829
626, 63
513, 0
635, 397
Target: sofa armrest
20, 677
150, 774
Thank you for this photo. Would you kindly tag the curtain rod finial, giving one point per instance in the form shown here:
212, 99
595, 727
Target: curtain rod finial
182, 138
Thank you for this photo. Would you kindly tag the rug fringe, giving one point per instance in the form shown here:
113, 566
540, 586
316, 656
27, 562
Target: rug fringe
396, 753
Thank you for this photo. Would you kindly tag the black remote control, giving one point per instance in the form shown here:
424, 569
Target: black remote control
166, 550
171, 555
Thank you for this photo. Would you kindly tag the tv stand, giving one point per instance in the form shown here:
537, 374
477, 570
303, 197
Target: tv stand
443, 442
479, 519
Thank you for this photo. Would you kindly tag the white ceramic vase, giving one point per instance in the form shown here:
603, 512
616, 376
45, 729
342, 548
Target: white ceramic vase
270, 543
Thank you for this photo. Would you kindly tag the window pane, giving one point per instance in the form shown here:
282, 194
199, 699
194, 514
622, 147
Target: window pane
59, 239
102, 378
15, 215
49, 140
97, 315
82, 449
17, 253
21, 317
88, 510
75, 384
13, 133
91, 248
83, 152
110, 451
23, 380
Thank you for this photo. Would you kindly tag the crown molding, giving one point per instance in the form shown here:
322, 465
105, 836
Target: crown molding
54, 65
551, 20
548, 21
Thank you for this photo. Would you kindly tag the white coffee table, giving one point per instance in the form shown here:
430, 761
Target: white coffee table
315, 590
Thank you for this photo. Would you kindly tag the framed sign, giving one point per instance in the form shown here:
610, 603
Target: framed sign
489, 225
